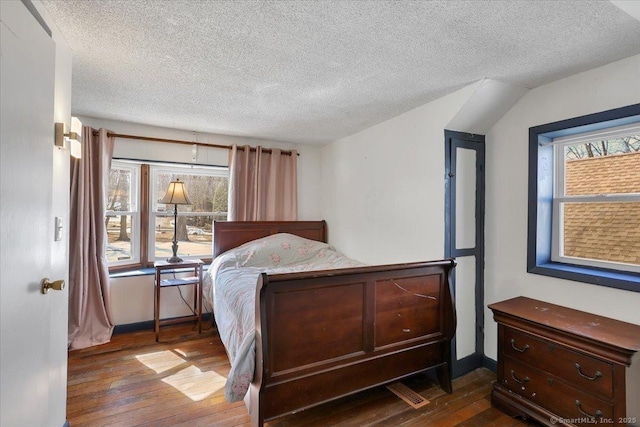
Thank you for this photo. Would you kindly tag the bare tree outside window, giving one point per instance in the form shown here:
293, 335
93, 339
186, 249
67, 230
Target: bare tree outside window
118, 199
627, 144
120, 213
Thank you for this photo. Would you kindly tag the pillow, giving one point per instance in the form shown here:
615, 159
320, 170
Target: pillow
279, 250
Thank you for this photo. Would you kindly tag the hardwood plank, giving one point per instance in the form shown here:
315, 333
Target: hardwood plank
460, 416
490, 418
444, 405
135, 382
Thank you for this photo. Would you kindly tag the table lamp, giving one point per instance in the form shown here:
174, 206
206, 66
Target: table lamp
176, 195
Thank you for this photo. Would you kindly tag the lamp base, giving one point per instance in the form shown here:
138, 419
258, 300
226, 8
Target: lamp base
174, 246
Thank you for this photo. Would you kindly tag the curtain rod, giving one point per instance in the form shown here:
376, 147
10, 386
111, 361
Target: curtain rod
177, 141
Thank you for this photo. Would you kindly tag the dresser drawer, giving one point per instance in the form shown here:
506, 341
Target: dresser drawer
551, 393
583, 371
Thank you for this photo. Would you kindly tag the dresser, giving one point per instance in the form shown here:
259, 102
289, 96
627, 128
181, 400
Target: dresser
561, 366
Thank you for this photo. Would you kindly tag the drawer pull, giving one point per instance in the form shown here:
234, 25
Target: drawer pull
583, 375
519, 381
521, 350
598, 411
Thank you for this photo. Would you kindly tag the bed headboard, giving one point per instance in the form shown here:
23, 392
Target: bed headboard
230, 234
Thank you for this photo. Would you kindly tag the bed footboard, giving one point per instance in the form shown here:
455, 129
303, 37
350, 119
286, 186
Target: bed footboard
326, 334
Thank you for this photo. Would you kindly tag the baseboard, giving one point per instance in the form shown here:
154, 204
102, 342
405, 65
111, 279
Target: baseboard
467, 364
490, 364
148, 325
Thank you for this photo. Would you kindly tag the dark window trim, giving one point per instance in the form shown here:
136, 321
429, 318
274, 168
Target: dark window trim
541, 199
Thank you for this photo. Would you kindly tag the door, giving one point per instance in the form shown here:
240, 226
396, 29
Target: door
464, 240
33, 325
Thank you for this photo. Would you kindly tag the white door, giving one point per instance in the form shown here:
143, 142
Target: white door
33, 325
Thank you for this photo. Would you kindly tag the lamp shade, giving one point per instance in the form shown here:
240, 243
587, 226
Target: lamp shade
176, 194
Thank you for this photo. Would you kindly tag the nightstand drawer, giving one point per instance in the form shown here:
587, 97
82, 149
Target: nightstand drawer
552, 393
585, 372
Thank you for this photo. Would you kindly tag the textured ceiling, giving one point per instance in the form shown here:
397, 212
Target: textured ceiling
316, 71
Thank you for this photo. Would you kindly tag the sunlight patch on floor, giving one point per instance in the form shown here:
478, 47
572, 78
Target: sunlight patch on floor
161, 361
190, 380
195, 384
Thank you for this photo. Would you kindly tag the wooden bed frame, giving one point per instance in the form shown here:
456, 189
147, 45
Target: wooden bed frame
326, 334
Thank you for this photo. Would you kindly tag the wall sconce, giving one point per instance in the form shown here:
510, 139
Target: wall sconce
74, 137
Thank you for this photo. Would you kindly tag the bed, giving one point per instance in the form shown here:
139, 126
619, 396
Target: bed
322, 334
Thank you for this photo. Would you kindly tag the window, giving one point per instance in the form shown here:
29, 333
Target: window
596, 199
207, 190
136, 220
584, 199
122, 214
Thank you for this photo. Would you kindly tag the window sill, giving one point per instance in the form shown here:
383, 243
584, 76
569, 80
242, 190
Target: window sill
132, 273
143, 272
608, 278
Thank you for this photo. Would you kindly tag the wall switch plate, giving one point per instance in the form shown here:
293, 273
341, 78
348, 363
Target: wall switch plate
58, 229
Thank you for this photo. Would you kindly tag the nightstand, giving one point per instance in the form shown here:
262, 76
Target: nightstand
163, 267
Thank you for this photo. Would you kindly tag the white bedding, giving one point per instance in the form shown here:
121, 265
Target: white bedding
230, 286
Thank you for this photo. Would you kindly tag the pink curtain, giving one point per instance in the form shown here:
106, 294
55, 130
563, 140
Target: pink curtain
90, 320
262, 185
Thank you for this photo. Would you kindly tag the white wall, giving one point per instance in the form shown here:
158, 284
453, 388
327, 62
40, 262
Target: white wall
611, 86
383, 188
132, 297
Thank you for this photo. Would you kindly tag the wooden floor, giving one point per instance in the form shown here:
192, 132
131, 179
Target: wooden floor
134, 381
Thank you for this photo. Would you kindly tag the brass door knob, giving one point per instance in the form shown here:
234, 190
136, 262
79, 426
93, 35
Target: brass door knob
58, 285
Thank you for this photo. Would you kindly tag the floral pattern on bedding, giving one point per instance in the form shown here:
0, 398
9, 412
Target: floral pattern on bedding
230, 286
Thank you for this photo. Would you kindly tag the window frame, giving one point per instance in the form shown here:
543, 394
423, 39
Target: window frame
541, 220
143, 249
135, 203
177, 169
560, 197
